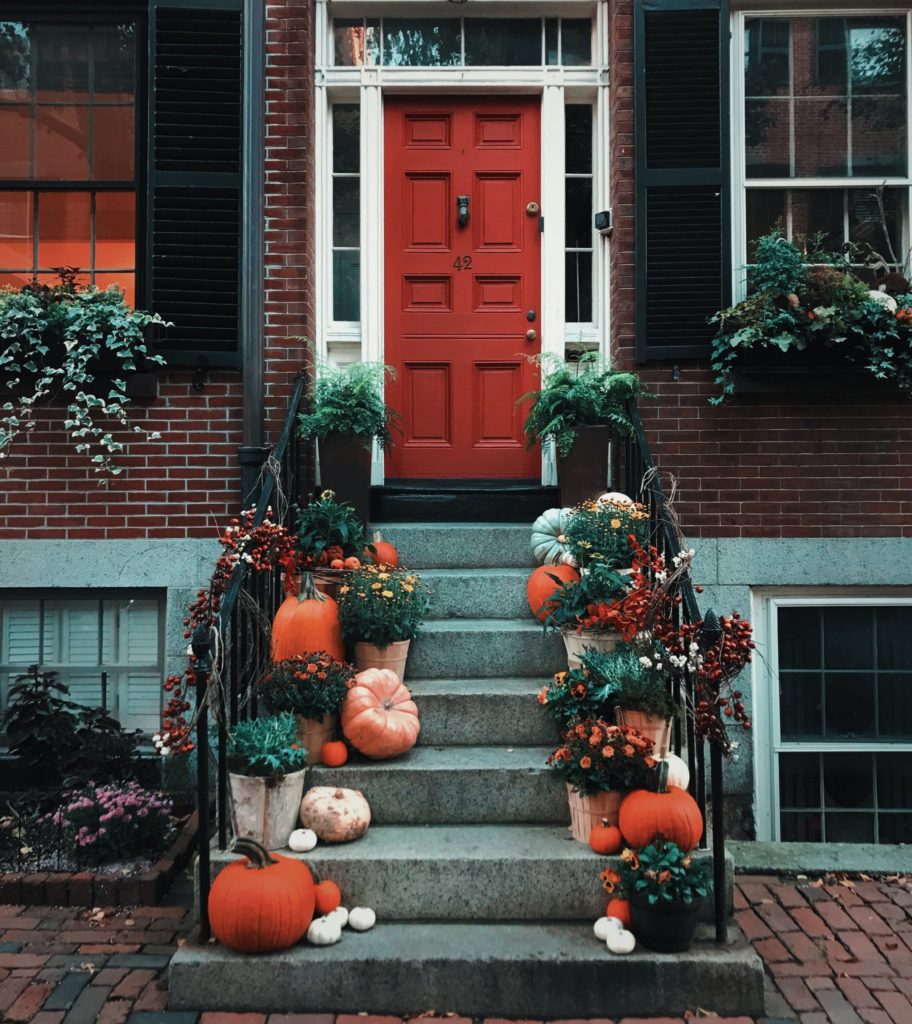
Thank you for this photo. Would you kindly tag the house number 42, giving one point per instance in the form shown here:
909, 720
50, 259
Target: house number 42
463, 263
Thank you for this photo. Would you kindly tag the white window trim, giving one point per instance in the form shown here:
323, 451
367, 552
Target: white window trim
767, 741
739, 181
349, 341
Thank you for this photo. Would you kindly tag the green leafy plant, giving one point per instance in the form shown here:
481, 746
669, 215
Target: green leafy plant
311, 685
576, 605
595, 756
575, 695
586, 393
349, 400
628, 683
599, 532
325, 523
266, 747
58, 740
814, 301
381, 605
661, 872
78, 343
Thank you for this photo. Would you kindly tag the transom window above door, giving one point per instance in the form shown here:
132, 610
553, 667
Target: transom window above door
462, 42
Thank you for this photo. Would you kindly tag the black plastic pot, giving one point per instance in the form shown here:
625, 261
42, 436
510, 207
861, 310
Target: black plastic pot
345, 467
667, 926
583, 473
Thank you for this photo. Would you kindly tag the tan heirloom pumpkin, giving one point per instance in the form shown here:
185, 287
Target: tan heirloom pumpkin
379, 717
336, 815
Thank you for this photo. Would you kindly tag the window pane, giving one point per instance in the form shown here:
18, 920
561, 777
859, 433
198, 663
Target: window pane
576, 42
348, 34
878, 55
894, 695
765, 211
346, 137
16, 151
767, 142
125, 282
63, 229
16, 250
61, 53
895, 828
766, 56
849, 705
799, 703
578, 132
821, 138
848, 637
848, 780
801, 828
346, 212
551, 53
894, 637
579, 287
579, 213
866, 226
346, 285
14, 280
15, 61
799, 780
62, 143
819, 211
894, 781
850, 828
416, 42
503, 42
799, 638
115, 230
113, 145
879, 135
113, 63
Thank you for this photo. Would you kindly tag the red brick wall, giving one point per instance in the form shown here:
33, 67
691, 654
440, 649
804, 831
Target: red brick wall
780, 467
188, 483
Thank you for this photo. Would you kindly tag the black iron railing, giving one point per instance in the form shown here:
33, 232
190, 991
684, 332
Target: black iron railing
642, 481
225, 676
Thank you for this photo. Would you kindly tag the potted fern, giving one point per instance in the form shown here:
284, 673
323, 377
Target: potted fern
581, 407
346, 414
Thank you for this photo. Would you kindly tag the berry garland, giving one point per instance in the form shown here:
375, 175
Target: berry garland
263, 547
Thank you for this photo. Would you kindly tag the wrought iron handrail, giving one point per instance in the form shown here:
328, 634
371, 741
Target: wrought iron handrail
282, 469
642, 479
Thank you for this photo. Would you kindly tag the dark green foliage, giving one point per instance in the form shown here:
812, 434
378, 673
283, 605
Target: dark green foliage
312, 685
324, 522
349, 400
571, 602
626, 683
266, 747
584, 394
662, 871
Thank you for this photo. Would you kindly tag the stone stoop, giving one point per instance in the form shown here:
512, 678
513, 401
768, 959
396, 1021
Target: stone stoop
485, 905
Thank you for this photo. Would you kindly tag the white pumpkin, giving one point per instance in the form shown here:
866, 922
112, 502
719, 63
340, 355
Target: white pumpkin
361, 919
605, 926
324, 931
885, 300
340, 915
302, 840
621, 942
549, 545
614, 498
678, 772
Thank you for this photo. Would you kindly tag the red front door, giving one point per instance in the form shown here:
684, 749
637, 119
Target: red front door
462, 292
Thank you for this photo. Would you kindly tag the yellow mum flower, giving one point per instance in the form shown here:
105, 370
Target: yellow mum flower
407, 588
615, 524
387, 593
376, 586
344, 590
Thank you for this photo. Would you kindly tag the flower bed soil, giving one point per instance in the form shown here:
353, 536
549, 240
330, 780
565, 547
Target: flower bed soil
98, 888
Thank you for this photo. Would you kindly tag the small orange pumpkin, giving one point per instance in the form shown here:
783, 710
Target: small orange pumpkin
670, 812
334, 753
379, 717
352, 563
307, 621
328, 896
542, 586
620, 909
263, 903
606, 839
383, 552
337, 563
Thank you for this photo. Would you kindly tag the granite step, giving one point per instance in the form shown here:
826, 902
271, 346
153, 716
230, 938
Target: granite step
466, 648
436, 545
478, 593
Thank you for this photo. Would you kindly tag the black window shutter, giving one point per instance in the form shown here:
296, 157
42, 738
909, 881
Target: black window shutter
681, 50
195, 132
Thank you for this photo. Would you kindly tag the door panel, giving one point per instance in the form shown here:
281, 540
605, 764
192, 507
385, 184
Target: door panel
457, 296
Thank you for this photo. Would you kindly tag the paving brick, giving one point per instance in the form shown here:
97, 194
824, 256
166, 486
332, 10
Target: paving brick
28, 1002
776, 918
166, 1017
13, 960
788, 895
897, 1006
130, 986
9, 991
845, 895
870, 892
810, 969
48, 1017
141, 960
797, 994
115, 1011
304, 1018
153, 997
860, 946
801, 947
109, 947
838, 1008
857, 993
88, 1005
352, 1018
834, 916
808, 921
755, 891
752, 926
232, 1018
110, 976
816, 984
772, 950
869, 921
68, 988
874, 1016
814, 1018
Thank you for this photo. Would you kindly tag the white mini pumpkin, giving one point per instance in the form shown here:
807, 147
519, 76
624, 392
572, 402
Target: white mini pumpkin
887, 301
549, 545
324, 931
361, 919
678, 772
614, 498
605, 926
302, 840
340, 914
621, 942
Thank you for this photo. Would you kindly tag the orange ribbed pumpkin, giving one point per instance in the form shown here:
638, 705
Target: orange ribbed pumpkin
605, 839
305, 622
383, 554
379, 717
541, 586
263, 903
670, 812
620, 909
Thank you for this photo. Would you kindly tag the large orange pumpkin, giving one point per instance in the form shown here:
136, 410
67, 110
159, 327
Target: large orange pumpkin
541, 586
305, 622
379, 717
263, 903
383, 554
669, 812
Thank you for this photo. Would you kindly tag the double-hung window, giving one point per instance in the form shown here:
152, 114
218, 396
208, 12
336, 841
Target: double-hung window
824, 137
68, 157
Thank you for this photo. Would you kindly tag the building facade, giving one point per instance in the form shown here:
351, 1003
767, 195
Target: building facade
417, 182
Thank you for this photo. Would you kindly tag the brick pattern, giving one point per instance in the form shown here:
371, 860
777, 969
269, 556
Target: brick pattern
834, 955
758, 467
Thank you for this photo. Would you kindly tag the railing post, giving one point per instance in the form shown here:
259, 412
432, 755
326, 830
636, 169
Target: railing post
202, 667
718, 843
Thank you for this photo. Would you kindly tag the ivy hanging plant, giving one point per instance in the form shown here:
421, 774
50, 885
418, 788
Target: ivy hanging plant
78, 343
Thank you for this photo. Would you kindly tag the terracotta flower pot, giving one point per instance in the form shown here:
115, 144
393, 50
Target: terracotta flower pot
576, 643
314, 734
583, 472
666, 926
393, 656
651, 726
588, 811
266, 809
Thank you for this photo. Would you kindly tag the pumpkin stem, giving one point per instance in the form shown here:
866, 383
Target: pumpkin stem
378, 536
309, 591
662, 786
256, 853
604, 823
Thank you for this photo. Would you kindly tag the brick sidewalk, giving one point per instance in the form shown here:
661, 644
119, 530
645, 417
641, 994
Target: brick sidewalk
835, 952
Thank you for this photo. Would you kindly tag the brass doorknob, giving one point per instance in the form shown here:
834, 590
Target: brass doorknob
532, 209
531, 335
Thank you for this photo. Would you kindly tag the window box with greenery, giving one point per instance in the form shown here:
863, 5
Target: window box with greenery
346, 413
580, 407
811, 312
78, 344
